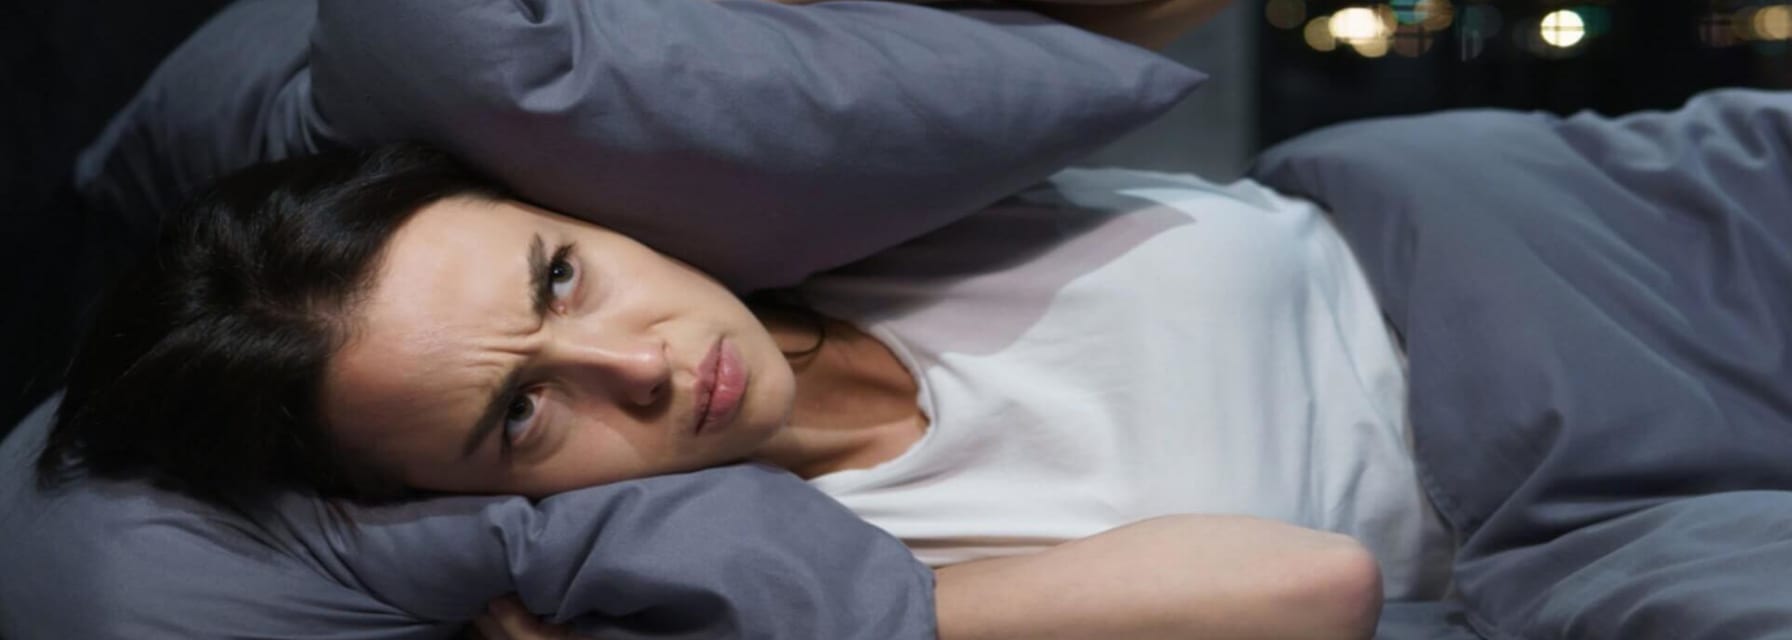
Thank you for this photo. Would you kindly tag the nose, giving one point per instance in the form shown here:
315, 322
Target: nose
635, 369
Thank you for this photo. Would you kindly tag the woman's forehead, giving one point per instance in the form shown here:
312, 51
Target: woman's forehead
463, 222
448, 312
413, 398
447, 283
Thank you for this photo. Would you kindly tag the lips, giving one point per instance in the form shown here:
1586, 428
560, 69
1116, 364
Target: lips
721, 384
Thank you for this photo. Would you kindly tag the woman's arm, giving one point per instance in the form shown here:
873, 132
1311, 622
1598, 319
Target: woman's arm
1207, 577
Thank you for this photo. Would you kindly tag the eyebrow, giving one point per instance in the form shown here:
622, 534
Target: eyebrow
540, 296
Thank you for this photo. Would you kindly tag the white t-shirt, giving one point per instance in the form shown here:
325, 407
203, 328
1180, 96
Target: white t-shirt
1118, 345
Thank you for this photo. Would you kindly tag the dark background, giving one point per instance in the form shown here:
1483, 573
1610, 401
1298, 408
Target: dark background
1643, 55
66, 65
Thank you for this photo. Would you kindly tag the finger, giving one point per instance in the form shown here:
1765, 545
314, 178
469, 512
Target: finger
489, 628
510, 612
519, 622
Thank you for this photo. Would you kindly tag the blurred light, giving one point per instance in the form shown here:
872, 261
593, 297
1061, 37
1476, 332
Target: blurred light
1562, 29
1285, 14
1358, 24
1385, 14
1772, 22
1437, 14
1371, 47
1407, 11
1412, 40
1717, 30
1744, 23
1319, 34
1433, 15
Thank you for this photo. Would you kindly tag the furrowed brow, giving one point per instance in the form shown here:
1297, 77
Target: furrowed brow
498, 403
493, 416
541, 287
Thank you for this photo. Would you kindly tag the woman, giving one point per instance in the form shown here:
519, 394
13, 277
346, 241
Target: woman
367, 324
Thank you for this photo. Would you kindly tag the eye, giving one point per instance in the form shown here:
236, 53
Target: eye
517, 417
562, 274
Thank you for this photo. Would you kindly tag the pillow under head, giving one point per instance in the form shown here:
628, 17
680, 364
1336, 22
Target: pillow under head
742, 551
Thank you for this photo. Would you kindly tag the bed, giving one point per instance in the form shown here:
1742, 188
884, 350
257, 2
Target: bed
1611, 444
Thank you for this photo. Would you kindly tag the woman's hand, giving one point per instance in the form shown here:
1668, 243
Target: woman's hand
507, 619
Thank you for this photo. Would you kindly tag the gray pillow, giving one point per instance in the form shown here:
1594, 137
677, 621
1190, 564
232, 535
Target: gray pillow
742, 551
761, 142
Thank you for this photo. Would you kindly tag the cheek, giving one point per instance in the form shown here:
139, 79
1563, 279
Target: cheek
595, 454
778, 389
569, 470
588, 452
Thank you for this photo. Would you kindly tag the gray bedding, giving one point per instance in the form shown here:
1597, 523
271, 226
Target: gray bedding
1598, 314
732, 552
1424, 621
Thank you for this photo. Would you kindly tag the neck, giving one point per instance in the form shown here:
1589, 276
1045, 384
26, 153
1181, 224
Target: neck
855, 402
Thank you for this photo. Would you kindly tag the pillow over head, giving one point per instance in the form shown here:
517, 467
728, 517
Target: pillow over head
761, 142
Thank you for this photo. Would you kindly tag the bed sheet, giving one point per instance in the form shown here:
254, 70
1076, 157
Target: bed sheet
1440, 620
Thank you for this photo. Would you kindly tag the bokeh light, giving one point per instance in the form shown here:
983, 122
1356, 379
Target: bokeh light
1433, 15
1438, 14
1772, 22
1412, 28
1319, 34
1372, 47
1407, 11
1716, 29
1365, 29
1285, 14
1743, 23
1562, 28
1357, 24
1412, 40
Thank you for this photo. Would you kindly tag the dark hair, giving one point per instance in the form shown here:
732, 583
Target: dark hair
202, 368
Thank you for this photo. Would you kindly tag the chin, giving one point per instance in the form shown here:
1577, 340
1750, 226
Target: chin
751, 436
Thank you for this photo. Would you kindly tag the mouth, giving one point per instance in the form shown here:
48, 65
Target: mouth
721, 385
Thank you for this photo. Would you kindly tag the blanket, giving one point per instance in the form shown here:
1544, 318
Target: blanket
1598, 315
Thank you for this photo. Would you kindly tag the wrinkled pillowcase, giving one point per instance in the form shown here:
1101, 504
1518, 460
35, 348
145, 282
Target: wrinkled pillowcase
742, 551
761, 142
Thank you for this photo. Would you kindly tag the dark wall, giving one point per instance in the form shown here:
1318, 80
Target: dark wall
65, 66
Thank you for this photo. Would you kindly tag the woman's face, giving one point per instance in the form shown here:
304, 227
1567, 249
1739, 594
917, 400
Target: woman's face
507, 349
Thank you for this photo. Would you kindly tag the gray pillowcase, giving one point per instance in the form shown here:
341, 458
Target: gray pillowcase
743, 551
761, 142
